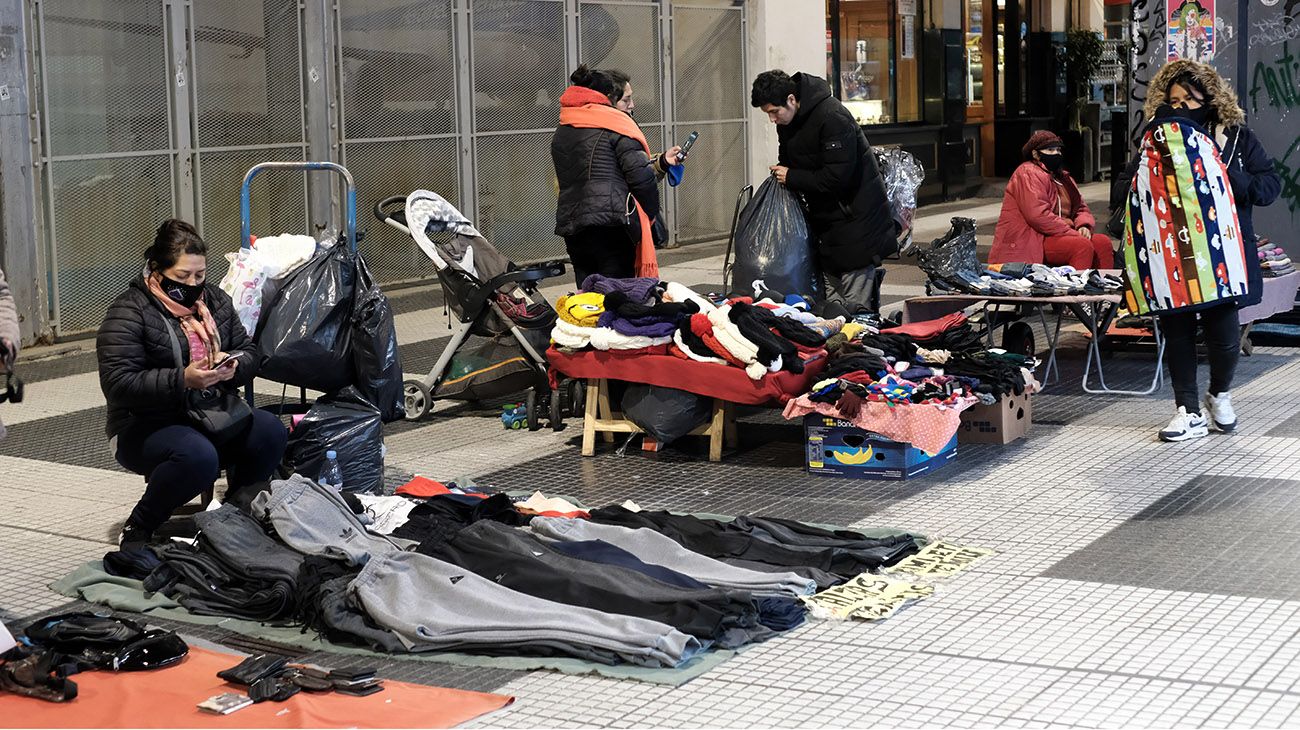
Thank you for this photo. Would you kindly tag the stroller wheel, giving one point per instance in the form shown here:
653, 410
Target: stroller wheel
534, 418
418, 400
557, 419
577, 398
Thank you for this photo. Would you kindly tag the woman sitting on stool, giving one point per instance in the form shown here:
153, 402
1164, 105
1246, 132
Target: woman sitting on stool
1044, 219
168, 316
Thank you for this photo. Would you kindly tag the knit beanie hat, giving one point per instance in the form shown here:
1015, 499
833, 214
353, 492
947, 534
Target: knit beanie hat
1041, 140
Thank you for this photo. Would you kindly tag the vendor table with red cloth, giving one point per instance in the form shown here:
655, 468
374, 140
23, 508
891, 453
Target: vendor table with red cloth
725, 384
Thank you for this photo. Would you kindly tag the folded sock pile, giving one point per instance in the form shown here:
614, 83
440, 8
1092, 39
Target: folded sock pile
1273, 260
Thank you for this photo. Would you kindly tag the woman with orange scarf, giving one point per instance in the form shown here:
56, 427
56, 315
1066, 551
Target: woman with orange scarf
169, 334
608, 179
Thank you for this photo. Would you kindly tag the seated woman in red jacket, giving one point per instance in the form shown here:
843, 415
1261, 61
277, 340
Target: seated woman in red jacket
1044, 219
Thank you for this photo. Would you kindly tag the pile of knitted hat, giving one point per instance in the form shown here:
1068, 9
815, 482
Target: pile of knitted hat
752, 337
584, 320
1272, 258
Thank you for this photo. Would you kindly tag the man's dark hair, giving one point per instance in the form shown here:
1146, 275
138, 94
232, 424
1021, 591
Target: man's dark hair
610, 82
173, 239
773, 87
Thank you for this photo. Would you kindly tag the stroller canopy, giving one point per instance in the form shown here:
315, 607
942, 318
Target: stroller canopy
465, 251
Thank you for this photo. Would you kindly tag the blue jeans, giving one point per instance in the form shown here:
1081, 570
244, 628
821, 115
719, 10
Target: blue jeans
180, 463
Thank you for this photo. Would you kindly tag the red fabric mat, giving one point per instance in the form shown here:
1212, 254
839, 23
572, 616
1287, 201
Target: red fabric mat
168, 698
728, 383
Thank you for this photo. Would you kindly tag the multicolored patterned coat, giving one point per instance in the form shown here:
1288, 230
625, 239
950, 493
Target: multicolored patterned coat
1182, 240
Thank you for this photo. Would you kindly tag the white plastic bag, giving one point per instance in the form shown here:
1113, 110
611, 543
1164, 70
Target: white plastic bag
243, 282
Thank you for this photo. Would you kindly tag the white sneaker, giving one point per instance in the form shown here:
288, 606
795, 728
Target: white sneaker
1185, 426
1219, 409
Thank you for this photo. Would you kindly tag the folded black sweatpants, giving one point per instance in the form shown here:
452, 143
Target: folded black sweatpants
517, 560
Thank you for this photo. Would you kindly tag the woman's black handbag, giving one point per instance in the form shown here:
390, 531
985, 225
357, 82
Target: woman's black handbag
218, 413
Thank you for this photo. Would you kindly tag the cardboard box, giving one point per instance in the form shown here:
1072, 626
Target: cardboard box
840, 449
1000, 423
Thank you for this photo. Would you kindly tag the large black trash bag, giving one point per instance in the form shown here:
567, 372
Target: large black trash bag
951, 254
306, 326
774, 244
665, 413
375, 355
346, 423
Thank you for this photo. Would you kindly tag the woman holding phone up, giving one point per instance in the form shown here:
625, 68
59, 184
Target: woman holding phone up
608, 178
172, 355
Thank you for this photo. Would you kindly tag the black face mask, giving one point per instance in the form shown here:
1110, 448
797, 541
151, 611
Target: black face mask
1053, 163
1201, 116
184, 294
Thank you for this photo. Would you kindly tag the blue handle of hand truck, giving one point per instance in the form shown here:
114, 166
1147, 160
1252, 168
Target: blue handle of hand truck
246, 200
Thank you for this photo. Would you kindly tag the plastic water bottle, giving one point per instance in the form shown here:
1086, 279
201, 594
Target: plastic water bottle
332, 475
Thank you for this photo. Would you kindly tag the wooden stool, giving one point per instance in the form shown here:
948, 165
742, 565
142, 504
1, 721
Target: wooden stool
601, 418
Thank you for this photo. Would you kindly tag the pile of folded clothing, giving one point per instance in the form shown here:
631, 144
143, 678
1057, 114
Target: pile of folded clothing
1031, 280
1273, 260
910, 383
453, 568
765, 335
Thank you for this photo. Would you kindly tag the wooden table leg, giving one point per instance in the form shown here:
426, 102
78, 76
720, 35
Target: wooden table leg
730, 437
717, 430
604, 411
589, 418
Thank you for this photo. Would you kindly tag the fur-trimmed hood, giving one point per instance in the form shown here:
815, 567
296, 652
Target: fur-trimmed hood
1222, 97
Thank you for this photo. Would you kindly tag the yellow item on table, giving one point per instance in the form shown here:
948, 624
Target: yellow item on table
582, 310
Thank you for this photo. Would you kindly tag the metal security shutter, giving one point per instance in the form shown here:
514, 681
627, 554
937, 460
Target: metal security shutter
106, 154
520, 68
710, 95
399, 117
247, 105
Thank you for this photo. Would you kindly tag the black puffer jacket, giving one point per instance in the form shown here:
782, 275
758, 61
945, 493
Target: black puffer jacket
137, 361
596, 169
833, 168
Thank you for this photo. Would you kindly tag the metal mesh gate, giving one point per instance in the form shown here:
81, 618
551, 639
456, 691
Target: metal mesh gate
105, 148
156, 108
710, 94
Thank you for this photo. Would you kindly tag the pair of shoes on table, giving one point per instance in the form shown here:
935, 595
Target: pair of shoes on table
1186, 426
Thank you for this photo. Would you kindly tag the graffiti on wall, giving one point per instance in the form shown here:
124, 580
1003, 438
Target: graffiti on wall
1271, 99
1148, 54
1191, 31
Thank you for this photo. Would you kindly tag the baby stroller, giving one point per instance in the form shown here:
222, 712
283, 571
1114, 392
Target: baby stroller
504, 324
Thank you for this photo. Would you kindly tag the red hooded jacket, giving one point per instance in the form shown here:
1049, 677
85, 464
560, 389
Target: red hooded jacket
1032, 211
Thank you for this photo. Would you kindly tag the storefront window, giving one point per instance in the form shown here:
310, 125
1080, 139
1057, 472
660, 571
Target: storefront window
877, 72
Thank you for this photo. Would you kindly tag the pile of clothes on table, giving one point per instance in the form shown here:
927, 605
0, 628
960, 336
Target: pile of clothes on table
1028, 280
1273, 261
911, 383
439, 568
764, 334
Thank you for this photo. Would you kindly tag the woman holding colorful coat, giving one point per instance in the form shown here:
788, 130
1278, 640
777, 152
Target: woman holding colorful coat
1191, 91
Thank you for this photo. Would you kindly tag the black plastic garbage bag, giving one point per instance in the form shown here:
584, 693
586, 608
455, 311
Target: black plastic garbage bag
774, 244
951, 254
306, 327
665, 413
375, 356
346, 423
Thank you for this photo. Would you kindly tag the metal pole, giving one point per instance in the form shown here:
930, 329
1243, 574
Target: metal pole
462, 43
176, 17
21, 256
320, 107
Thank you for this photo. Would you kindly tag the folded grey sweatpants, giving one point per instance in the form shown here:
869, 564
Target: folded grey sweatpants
653, 547
314, 520
433, 605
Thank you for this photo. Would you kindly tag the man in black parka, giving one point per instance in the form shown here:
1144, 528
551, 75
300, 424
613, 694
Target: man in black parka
825, 159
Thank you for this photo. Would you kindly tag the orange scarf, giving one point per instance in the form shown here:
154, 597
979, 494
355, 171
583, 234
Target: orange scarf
200, 331
589, 109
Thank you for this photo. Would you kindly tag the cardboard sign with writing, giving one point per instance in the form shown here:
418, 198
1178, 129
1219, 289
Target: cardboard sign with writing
867, 597
940, 559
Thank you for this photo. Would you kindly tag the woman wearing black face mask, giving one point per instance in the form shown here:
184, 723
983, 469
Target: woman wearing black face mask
1044, 219
1194, 91
171, 334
